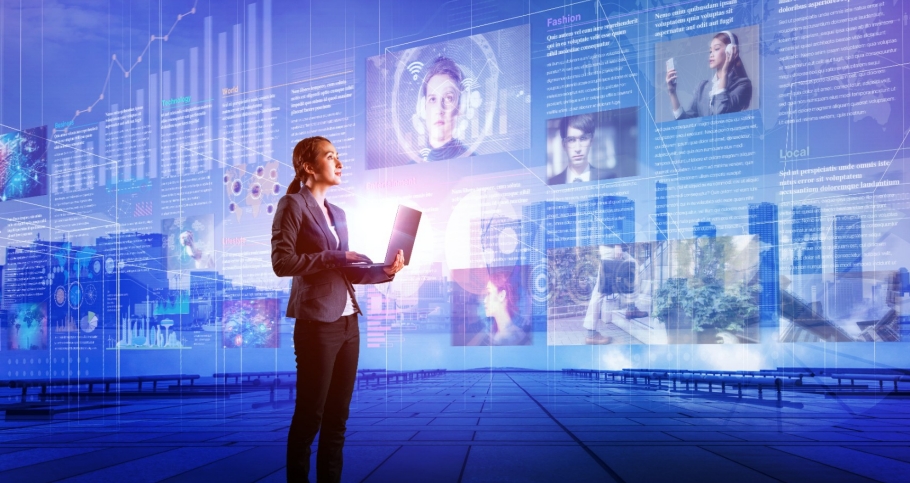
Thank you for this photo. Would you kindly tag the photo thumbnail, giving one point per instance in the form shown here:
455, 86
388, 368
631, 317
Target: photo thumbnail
592, 147
491, 306
692, 291
452, 99
707, 75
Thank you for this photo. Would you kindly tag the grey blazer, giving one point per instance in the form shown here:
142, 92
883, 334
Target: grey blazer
303, 247
737, 97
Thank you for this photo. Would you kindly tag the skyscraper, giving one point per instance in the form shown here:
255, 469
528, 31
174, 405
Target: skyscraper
848, 263
704, 228
763, 222
660, 211
606, 220
806, 228
545, 225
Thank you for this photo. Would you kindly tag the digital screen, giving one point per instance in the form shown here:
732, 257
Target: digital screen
609, 184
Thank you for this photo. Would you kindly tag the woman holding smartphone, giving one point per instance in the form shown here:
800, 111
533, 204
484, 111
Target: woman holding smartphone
729, 90
310, 243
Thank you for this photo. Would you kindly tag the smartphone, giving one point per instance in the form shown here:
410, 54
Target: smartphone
670, 65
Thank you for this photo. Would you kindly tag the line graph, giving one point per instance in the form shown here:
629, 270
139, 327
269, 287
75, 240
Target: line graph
126, 72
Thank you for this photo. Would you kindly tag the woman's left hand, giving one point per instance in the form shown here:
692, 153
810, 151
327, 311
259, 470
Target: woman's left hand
728, 62
397, 266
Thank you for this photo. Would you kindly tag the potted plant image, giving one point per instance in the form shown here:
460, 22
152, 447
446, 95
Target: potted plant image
719, 314
673, 307
705, 313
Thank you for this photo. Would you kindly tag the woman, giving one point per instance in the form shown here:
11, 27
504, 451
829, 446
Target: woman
501, 304
310, 243
730, 90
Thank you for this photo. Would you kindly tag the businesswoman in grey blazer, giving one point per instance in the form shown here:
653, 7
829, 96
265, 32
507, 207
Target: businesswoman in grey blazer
310, 243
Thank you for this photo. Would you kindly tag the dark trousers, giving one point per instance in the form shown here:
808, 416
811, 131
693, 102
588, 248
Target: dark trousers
327, 354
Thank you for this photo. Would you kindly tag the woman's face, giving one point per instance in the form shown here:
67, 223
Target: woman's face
717, 54
493, 301
441, 109
326, 166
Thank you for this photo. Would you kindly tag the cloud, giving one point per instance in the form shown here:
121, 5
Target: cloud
63, 20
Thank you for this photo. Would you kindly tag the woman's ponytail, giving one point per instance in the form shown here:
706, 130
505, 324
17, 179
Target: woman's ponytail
304, 152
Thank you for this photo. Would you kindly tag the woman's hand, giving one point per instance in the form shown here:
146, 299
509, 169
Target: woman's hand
354, 257
727, 67
397, 266
671, 88
671, 81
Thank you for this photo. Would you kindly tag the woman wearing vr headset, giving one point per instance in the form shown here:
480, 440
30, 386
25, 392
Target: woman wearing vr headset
440, 107
730, 90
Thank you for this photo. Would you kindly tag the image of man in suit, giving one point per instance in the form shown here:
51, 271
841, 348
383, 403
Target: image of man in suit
577, 134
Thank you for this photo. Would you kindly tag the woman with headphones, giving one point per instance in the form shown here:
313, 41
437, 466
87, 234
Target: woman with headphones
310, 243
730, 90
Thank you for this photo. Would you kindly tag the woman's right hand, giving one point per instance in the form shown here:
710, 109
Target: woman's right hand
671, 81
354, 257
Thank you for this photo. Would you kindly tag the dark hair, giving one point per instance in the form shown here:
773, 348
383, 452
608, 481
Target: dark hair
304, 152
442, 66
738, 70
583, 122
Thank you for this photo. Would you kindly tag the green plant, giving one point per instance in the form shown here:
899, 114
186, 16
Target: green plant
674, 296
708, 304
714, 307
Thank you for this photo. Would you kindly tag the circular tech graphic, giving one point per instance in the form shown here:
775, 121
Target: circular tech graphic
96, 266
109, 265
90, 294
480, 90
540, 283
250, 188
581, 282
60, 296
75, 295
88, 323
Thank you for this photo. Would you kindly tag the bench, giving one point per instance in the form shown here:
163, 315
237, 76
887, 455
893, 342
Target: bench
739, 381
881, 378
91, 382
404, 376
248, 376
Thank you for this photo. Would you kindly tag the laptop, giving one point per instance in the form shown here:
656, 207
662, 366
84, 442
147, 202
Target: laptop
404, 232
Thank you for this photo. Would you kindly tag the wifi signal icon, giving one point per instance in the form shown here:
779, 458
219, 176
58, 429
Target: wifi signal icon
468, 84
414, 68
424, 153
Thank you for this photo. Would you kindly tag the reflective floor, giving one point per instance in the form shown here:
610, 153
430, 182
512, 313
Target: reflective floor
492, 426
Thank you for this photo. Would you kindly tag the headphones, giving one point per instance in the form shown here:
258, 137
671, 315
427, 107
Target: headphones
733, 42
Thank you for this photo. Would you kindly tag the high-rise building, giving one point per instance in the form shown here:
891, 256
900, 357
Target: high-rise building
763, 223
848, 263
660, 211
709, 257
704, 228
545, 225
806, 271
606, 220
